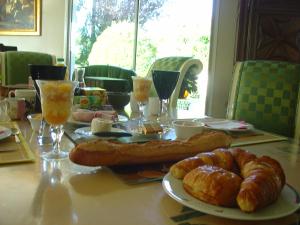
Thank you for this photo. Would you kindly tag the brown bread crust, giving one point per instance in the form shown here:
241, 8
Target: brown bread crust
220, 157
213, 185
108, 153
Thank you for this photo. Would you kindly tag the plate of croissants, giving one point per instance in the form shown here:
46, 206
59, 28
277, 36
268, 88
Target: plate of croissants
232, 183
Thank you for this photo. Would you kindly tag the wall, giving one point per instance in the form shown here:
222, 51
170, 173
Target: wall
222, 56
53, 28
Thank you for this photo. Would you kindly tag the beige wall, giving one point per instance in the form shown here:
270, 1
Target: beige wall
52, 35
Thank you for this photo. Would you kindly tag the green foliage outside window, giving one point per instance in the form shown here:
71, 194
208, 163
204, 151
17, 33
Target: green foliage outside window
107, 36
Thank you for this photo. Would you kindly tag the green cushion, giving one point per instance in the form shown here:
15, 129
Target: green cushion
267, 95
169, 63
173, 63
16, 62
111, 72
109, 83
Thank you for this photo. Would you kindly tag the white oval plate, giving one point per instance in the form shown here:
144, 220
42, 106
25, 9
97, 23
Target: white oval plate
287, 203
4, 132
121, 118
87, 131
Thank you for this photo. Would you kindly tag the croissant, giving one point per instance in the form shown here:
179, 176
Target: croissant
242, 157
263, 181
219, 157
213, 185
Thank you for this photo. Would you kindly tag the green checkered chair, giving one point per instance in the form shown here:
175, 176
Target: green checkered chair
265, 94
187, 66
14, 65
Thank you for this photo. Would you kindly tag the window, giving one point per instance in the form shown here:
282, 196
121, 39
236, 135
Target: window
133, 33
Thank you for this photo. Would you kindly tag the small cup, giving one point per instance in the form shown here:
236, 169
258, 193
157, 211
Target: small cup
101, 125
152, 109
28, 94
185, 129
16, 108
4, 117
35, 121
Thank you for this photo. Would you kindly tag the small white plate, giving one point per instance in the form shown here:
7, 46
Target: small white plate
229, 125
4, 132
287, 203
121, 118
87, 131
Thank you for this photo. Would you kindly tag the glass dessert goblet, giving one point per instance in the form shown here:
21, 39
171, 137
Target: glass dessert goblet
141, 91
56, 101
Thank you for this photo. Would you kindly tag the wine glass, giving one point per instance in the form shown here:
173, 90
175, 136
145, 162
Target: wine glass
141, 91
164, 83
56, 101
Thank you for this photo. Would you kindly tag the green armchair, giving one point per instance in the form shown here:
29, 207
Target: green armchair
265, 94
14, 65
111, 78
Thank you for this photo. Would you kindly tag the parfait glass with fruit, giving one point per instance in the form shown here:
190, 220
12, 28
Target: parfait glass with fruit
56, 101
141, 91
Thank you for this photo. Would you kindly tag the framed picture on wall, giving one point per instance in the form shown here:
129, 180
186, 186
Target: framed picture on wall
20, 17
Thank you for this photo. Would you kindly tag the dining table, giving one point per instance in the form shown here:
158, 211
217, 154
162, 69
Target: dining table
59, 192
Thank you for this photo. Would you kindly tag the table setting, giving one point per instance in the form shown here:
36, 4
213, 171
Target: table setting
181, 171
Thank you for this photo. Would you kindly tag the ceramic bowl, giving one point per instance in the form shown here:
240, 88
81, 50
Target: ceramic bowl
118, 100
185, 129
35, 121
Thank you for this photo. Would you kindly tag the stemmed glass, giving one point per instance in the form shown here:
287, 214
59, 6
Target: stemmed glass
164, 83
44, 72
79, 76
141, 91
56, 101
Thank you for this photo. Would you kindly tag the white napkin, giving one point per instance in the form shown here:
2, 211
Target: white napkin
228, 125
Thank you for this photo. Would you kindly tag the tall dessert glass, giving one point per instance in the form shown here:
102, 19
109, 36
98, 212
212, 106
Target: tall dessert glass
44, 72
164, 83
56, 101
141, 91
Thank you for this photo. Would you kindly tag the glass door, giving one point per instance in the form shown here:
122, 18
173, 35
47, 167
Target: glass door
133, 33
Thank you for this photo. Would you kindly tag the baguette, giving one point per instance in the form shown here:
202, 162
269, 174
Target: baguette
109, 153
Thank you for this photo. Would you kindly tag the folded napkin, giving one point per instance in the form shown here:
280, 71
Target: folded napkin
13, 152
229, 125
8, 144
88, 115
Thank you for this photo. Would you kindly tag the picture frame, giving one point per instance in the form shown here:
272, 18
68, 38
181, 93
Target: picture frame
20, 17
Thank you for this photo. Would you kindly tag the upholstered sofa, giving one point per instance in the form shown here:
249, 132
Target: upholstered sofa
14, 65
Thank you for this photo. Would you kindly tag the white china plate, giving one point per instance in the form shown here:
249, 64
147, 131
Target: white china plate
121, 118
287, 203
228, 125
87, 131
4, 132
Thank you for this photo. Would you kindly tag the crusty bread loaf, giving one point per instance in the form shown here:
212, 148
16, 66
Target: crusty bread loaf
219, 157
108, 153
213, 185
